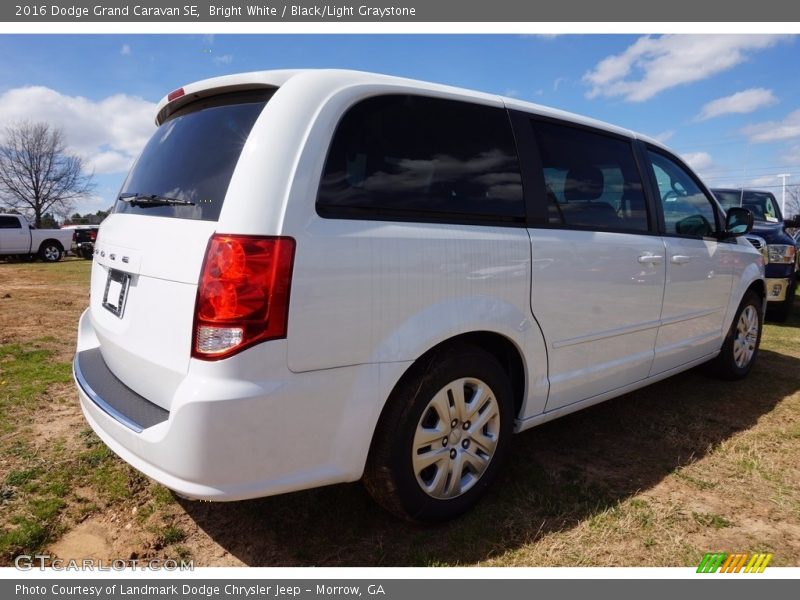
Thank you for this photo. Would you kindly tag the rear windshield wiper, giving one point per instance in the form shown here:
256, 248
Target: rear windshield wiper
137, 199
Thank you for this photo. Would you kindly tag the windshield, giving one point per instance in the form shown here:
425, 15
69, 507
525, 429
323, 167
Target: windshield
191, 158
762, 204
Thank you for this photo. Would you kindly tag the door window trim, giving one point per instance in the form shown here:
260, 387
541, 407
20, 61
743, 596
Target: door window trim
645, 148
533, 182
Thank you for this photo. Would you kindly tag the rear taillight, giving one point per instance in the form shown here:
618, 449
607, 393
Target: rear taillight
243, 294
92, 235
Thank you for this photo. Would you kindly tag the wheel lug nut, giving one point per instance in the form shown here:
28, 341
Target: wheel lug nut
467, 424
454, 423
444, 441
453, 453
465, 444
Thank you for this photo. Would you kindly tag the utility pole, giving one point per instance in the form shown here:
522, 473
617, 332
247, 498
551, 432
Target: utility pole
783, 196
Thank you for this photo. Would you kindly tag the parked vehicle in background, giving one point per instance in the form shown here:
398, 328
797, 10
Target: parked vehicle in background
83, 239
782, 258
20, 238
313, 276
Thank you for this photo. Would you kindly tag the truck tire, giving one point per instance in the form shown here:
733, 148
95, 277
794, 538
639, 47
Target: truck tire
51, 251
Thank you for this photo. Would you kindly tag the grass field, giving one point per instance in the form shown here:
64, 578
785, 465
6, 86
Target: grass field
655, 478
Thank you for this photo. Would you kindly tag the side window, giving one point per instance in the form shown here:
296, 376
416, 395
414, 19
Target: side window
411, 157
687, 210
9, 223
591, 179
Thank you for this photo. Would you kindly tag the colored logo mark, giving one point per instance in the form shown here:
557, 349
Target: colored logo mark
722, 562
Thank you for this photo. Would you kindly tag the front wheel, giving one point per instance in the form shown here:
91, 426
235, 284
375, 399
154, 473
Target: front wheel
50, 252
442, 437
740, 349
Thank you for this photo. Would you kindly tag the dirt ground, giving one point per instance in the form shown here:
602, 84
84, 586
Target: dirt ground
655, 478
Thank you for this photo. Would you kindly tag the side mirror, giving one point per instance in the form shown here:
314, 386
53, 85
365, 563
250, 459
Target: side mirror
738, 221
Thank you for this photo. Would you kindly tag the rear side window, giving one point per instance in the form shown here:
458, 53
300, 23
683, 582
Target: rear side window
591, 179
191, 158
403, 157
9, 223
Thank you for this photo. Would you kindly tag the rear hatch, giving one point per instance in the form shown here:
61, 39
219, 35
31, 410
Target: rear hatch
150, 250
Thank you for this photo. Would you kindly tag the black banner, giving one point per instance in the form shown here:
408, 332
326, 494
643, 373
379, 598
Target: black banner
407, 11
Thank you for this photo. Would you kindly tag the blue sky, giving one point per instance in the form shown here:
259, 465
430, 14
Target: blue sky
730, 104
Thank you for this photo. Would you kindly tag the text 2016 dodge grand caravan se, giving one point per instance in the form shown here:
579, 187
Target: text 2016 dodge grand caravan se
363, 276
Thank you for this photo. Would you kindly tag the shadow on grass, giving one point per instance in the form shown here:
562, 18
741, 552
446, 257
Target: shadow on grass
558, 475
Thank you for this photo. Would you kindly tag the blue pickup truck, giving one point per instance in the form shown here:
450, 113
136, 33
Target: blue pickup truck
768, 223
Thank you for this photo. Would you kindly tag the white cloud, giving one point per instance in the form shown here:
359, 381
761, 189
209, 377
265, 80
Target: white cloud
223, 59
558, 82
763, 181
774, 131
125, 50
654, 64
512, 93
664, 136
107, 133
792, 157
742, 102
699, 161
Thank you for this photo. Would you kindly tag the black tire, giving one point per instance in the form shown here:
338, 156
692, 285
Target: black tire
390, 475
780, 311
727, 365
51, 251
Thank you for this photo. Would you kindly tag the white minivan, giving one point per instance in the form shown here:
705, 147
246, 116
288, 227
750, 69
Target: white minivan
318, 276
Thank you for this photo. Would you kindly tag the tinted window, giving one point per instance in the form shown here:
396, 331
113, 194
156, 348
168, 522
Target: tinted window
410, 157
191, 157
591, 180
9, 223
687, 210
763, 205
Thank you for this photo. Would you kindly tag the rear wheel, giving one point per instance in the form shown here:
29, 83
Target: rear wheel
50, 252
442, 437
740, 349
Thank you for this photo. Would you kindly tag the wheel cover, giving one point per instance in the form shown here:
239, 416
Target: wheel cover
51, 253
744, 344
456, 438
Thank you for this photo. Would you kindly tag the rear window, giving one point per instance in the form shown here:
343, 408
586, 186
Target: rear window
413, 158
191, 158
763, 205
9, 223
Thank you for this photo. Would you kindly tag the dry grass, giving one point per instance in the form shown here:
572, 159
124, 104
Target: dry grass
657, 477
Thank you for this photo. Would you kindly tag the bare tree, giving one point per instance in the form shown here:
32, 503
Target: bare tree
792, 201
37, 173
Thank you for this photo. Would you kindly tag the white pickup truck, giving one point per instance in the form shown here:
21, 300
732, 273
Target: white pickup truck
18, 237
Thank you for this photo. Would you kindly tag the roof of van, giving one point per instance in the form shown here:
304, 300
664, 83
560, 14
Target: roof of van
339, 79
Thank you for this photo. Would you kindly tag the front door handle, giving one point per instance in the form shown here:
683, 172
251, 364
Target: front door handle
650, 259
680, 259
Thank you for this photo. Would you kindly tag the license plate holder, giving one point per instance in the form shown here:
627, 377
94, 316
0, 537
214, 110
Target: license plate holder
116, 292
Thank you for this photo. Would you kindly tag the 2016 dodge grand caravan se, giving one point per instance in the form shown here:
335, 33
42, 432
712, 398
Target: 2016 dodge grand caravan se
364, 276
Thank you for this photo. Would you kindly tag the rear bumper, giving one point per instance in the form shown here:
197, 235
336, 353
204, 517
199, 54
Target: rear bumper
228, 436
